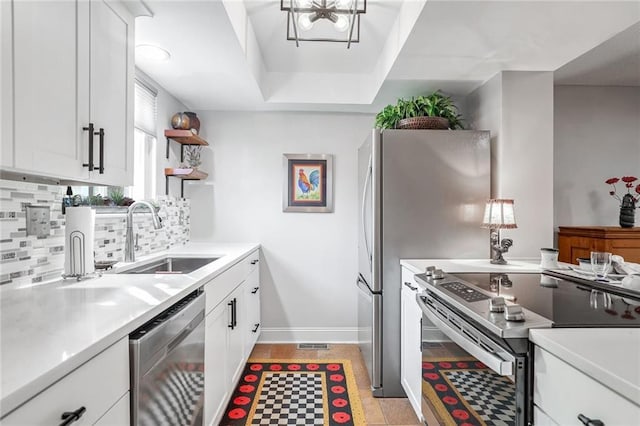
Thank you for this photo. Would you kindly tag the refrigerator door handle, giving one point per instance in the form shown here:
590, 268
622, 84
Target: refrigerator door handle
363, 212
362, 284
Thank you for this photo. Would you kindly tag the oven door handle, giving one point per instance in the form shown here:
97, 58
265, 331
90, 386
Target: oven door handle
499, 365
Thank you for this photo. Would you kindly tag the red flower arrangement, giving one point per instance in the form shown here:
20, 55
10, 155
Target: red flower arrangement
628, 183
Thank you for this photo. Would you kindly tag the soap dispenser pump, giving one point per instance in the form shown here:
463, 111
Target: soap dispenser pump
67, 200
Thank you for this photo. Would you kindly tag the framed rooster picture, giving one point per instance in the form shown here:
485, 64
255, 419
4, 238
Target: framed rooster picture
308, 183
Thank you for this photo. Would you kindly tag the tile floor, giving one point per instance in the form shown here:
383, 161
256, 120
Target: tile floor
377, 411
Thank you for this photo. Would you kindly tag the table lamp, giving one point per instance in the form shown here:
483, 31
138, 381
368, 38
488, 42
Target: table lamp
499, 214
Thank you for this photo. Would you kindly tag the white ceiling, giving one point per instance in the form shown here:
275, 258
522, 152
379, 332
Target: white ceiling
233, 54
616, 62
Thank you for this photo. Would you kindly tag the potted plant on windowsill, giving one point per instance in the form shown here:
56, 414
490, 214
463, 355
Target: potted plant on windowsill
435, 111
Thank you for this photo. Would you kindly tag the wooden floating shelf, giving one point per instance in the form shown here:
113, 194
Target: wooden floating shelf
186, 174
185, 137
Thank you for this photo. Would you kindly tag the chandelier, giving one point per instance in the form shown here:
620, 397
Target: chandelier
324, 20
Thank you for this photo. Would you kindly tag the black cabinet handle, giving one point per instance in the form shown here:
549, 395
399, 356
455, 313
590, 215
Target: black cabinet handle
91, 133
234, 313
232, 304
589, 422
255, 290
253, 262
71, 416
410, 286
101, 150
255, 329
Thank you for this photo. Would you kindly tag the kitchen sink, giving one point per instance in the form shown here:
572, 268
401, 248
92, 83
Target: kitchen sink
171, 265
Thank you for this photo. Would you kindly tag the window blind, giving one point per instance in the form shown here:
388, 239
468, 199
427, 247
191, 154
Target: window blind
145, 108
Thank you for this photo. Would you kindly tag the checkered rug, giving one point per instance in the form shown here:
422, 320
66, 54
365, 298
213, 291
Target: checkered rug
295, 392
466, 392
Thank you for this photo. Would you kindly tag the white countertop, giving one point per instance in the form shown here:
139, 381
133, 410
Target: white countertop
452, 266
48, 330
609, 355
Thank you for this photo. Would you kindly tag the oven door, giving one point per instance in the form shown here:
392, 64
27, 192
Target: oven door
470, 377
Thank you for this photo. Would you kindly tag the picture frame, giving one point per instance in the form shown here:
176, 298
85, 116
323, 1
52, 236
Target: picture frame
308, 183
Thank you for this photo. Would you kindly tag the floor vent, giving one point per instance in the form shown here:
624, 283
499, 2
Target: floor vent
313, 346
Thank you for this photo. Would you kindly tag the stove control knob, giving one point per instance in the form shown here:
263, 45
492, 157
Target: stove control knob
438, 274
429, 270
496, 304
513, 313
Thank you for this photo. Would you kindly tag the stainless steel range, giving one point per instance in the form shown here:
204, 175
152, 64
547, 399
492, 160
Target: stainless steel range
487, 316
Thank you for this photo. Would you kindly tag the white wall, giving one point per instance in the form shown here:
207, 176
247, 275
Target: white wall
597, 136
310, 259
484, 112
517, 107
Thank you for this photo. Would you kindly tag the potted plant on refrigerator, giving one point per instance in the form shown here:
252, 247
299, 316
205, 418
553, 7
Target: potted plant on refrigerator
434, 111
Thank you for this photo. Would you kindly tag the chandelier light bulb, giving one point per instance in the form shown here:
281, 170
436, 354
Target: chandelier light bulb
305, 22
342, 24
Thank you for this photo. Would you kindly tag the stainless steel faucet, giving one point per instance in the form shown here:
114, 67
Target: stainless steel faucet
129, 251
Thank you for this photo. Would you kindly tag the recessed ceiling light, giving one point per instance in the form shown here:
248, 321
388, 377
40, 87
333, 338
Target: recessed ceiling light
149, 52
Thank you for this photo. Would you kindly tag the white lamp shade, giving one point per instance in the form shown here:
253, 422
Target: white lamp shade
499, 214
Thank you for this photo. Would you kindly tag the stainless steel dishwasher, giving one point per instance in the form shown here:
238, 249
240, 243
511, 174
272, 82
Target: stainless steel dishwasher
167, 366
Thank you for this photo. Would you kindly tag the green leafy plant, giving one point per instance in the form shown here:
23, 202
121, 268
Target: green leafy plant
433, 105
93, 200
116, 194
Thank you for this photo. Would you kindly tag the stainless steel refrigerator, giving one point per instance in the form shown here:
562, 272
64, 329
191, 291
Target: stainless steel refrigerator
422, 196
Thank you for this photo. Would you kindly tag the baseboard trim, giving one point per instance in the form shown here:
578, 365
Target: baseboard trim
309, 335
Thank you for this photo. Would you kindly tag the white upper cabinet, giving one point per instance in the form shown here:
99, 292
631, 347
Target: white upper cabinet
47, 118
72, 69
111, 94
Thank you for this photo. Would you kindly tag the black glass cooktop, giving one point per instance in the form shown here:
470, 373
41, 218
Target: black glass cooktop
566, 303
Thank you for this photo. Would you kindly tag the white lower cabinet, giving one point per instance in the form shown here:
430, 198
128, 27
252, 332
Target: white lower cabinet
231, 307
252, 301
216, 377
119, 414
410, 342
562, 392
98, 385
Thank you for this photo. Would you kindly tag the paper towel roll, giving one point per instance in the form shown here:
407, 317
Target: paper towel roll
78, 246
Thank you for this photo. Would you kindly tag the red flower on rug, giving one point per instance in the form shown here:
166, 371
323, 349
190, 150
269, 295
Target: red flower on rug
336, 377
450, 400
237, 413
246, 388
339, 402
460, 414
241, 400
341, 417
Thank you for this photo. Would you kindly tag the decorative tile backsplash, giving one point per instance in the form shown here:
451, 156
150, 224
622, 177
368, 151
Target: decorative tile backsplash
29, 259
111, 229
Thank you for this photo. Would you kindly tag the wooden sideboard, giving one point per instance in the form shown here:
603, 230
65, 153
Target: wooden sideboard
580, 241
